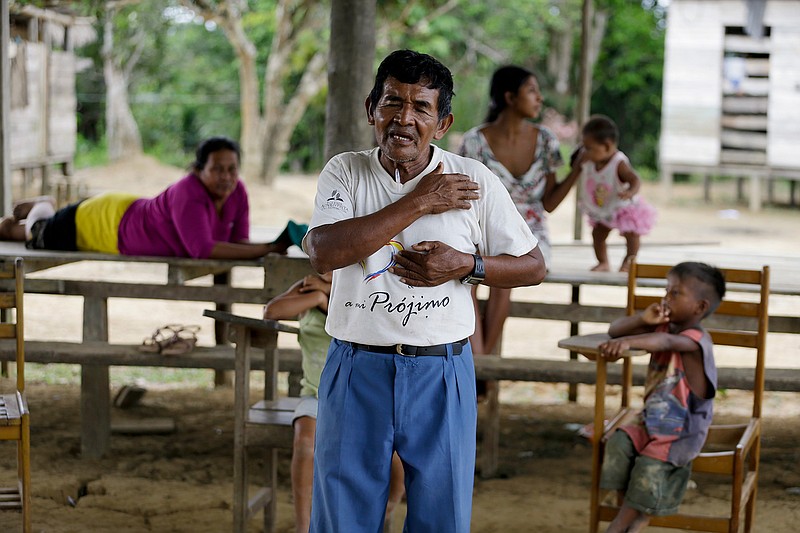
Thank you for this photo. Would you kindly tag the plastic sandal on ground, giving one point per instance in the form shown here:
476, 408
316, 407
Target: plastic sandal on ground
182, 342
160, 338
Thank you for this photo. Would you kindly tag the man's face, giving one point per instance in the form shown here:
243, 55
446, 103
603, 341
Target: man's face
406, 120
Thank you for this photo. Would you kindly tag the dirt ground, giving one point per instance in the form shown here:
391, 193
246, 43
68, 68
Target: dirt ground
182, 481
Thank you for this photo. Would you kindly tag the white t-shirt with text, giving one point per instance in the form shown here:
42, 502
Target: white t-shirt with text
368, 304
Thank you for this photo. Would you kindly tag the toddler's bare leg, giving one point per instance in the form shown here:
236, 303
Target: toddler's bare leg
303, 471
599, 236
632, 241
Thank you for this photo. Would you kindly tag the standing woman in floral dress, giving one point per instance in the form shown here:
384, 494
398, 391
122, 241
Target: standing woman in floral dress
525, 156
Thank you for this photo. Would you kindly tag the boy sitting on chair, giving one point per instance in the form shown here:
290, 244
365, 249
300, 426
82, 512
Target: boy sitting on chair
649, 461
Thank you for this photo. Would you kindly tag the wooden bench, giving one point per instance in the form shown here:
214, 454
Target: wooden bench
492, 367
95, 355
101, 353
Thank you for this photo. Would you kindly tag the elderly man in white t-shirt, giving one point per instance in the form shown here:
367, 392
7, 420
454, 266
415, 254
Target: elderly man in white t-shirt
407, 229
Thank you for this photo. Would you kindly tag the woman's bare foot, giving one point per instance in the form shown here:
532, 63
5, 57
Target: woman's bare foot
626, 263
600, 267
23, 207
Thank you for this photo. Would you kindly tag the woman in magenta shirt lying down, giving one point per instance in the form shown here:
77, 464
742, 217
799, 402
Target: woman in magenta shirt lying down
203, 215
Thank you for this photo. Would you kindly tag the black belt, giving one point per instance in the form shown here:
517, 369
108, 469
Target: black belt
413, 351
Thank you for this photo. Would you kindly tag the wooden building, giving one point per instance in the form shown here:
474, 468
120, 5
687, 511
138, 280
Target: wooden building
731, 95
43, 106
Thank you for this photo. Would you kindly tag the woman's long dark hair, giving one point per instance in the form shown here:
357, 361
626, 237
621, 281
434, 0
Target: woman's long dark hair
506, 79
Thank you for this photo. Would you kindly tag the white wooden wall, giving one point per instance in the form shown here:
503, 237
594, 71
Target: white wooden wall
27, 123
692, 92
783, 130
62, 105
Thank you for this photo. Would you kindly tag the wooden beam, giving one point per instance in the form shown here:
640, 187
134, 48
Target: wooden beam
5, 110
584, 96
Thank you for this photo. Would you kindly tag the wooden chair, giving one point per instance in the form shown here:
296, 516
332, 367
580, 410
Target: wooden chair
14, 416
730, 450
265, 426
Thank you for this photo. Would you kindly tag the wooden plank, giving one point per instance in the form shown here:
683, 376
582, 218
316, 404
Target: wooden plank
741, 139
744, 122
749, 157
281, 404
95, 395
744, 44
8, 331
279, 434
280, 272
148, 291
743, 104
143, 426
750, 87
756, 66
100, 353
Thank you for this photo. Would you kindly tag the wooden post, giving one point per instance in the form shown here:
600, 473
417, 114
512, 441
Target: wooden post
221, 377
597, 439
242, 389
584, 97
572, 391
5, 109
95, 394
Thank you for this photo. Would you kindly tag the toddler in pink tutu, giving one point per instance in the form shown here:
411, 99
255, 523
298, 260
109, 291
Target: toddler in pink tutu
610, 187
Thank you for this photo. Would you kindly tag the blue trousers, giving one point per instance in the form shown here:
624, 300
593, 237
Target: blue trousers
371, 404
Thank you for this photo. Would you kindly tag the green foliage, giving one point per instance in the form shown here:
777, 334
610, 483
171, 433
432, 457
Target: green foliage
475, 38
628, 76
186, 85
192, 92
89, 153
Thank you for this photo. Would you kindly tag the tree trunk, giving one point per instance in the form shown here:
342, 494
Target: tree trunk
281, 117
249, 138
122, 132
350, 77
266, 132
281, 120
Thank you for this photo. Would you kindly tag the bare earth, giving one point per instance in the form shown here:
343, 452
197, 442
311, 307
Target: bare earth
182, 481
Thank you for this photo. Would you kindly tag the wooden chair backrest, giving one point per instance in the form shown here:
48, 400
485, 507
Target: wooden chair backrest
11, 324
738, 321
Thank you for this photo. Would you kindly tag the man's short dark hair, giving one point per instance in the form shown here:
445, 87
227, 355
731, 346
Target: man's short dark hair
601, 128
408, 66
711, 281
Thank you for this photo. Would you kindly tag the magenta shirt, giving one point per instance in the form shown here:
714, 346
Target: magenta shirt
182, 221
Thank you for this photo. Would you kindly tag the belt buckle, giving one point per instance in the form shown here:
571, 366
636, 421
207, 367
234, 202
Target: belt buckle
399, 349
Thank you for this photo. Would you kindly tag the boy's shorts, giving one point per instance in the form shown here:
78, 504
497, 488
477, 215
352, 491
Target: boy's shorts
306, 407
651, 486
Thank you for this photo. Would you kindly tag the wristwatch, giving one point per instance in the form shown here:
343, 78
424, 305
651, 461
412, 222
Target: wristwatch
478, 273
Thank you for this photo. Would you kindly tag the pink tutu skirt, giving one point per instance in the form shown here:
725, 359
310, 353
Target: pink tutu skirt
638, 217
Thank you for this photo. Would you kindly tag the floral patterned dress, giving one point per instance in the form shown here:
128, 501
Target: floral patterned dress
528, 189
